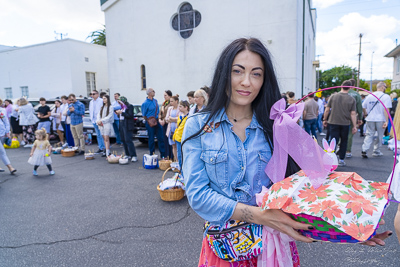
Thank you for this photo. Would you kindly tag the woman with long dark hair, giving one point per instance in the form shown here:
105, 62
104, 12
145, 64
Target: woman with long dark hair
105, 120
227, 146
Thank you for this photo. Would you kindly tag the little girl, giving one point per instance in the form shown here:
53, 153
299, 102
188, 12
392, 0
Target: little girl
40, 154
184, 112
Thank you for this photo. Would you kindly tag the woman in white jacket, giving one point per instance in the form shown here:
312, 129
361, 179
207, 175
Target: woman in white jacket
28, 120
105, 120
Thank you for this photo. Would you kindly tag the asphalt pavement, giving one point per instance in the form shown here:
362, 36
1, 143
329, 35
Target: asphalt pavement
92, 213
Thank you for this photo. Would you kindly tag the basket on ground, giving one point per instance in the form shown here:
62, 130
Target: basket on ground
113, 159
164, 164
173, 194
89, 156
67, 153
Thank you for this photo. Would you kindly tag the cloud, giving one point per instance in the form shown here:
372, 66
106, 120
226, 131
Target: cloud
37, 20
340, 45
325, 3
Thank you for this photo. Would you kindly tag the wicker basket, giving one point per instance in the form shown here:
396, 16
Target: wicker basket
67, 153
170, 194
113, 160
89, 156
164, 164
323, 230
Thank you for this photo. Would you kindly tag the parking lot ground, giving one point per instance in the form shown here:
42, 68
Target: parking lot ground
92, 213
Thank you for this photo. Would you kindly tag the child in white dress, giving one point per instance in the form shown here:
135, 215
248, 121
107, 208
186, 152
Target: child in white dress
40, 153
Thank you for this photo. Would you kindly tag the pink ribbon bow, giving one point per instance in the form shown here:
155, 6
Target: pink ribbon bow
290, 139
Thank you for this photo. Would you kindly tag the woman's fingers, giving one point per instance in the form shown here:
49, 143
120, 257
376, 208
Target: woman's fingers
378, 239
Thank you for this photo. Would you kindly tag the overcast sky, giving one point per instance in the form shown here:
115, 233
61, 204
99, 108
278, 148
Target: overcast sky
339, 23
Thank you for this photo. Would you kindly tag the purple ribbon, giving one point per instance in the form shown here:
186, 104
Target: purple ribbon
290, 139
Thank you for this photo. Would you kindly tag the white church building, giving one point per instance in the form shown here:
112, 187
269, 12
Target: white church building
174, 45
52, 69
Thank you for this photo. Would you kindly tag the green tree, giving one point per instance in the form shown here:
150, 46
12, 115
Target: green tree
336, 76
98, 37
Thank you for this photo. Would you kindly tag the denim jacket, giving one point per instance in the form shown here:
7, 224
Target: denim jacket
219, 169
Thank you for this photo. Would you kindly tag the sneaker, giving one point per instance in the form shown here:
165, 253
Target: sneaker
322, 134
81, 152
22, 143
364, 154
341, 163
35, 173
134, 159
28, 145
377, 154
52, 173
103, 154
348, 155
99, 151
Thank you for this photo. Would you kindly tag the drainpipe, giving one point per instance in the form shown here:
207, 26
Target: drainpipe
302, 60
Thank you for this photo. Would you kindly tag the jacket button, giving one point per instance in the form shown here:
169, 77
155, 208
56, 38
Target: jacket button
242, 168
211, 160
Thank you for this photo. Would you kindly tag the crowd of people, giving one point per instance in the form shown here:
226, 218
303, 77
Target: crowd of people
222, 135
344, 113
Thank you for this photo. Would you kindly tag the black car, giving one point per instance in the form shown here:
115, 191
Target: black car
139, 131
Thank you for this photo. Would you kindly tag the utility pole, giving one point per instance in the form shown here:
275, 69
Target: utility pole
370, 83
61, 35
359, 61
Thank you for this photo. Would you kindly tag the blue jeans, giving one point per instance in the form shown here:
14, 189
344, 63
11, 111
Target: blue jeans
116, 131
319, 122
179, 147
100, 140
310, 126
153, 131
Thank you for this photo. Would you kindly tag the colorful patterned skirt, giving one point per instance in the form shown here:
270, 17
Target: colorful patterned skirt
209, 259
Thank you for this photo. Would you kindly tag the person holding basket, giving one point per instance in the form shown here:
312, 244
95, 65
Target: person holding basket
226, 148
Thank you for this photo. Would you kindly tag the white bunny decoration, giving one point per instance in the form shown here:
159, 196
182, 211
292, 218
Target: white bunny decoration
330, 150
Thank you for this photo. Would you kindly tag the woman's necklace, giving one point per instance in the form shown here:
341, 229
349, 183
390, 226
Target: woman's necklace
235, 120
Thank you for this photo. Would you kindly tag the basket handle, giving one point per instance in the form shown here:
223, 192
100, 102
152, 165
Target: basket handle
165, 172
389, 117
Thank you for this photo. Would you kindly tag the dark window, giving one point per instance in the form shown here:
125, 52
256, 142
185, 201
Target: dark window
143, 76
185, 20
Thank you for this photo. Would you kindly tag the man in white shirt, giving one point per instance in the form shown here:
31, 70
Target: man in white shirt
377, 119
94, 108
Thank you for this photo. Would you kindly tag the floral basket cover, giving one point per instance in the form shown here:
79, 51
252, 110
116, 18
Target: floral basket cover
345, 200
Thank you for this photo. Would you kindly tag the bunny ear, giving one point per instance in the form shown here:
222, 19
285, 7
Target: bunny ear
325, 144
333, 144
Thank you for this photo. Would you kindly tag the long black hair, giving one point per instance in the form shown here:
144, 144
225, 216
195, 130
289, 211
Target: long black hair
221, 91
108, 106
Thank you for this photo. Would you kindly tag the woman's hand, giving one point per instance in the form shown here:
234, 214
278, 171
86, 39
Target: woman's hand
273, 218
378, 238
31, 154
280, 221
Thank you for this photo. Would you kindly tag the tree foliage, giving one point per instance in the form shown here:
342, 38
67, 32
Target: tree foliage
98, 37
336, 76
